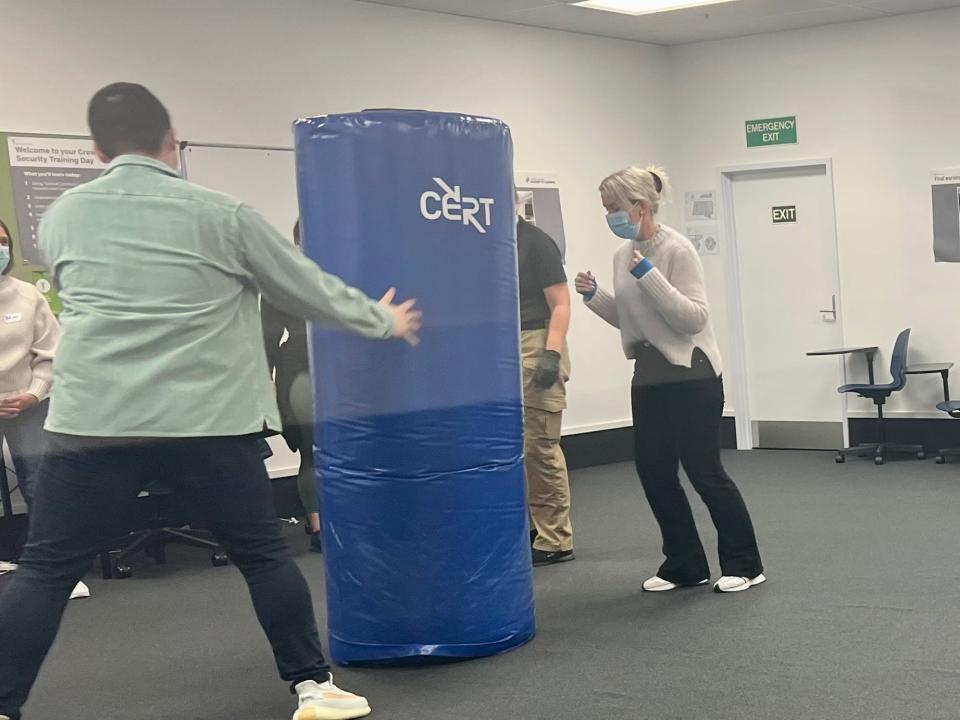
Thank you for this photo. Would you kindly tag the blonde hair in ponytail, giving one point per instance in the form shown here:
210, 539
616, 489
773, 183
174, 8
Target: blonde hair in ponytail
650, 186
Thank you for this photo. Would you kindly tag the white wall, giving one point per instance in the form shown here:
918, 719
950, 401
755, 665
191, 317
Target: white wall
239, 71
882, 99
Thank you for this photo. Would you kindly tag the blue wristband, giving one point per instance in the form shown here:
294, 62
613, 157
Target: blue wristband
642, 269
588, 298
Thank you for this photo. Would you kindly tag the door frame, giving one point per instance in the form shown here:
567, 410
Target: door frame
727, 176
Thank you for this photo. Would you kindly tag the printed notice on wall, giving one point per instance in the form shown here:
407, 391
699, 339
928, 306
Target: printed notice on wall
700, 206
41, 170
705, 239
945, 198
539, 203
700, 216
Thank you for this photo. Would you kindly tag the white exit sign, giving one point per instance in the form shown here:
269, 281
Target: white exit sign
784, 214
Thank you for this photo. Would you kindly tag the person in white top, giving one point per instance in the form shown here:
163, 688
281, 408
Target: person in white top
659, 304
28, 340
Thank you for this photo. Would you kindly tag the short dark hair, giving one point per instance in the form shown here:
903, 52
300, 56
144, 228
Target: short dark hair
9, 266
127, 118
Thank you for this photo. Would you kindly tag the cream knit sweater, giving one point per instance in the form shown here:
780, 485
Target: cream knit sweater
667, 307
28, 340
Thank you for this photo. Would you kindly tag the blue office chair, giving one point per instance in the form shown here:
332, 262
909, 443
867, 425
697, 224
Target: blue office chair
879, 392
951, 408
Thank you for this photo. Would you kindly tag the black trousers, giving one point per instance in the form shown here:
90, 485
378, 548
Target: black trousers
679, 423
86, 486
25, 437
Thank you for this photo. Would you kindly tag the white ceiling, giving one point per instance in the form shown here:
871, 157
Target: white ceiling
726, 20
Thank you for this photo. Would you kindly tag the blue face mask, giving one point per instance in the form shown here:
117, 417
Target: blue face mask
621, 226
4, 257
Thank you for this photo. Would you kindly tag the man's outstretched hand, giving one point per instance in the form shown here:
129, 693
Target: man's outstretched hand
407, 321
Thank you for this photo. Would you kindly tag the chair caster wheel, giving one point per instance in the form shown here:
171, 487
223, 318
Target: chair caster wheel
219, 559
122, 572
921, 455
941, 460
839, 459
878, 460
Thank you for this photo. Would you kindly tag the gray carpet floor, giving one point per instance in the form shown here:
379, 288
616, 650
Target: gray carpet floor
860, 619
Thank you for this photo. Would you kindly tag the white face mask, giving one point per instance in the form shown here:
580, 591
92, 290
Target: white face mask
4, 257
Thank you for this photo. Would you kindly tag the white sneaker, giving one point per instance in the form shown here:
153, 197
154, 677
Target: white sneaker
658, 584
80, 591
325, 701
6, 567
731, 583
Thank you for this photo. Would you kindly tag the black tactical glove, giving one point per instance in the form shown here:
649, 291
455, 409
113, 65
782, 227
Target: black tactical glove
548, 370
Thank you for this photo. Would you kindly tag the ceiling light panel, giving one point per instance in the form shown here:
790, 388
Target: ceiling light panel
646, 7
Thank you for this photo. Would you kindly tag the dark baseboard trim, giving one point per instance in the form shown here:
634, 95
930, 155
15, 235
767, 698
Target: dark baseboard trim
286, 497
728, 433
933, 434
603, 447
606, 447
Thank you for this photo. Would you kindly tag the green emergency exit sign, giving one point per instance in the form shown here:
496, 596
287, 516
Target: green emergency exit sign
772, 131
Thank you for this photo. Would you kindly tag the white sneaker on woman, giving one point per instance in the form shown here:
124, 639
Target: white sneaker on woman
732, 583
658, 584
325, 701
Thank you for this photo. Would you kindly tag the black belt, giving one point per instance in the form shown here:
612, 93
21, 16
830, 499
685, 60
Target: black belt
652, 368
535, 325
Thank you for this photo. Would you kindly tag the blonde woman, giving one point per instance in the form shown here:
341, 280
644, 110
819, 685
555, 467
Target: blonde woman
659, 303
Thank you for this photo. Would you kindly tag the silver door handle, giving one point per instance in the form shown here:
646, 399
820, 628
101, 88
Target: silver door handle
832, 311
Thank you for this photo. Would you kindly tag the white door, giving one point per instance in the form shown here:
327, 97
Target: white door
787, 249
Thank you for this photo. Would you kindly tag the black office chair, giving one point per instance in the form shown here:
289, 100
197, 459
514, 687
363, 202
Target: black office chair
162, 524
879, 392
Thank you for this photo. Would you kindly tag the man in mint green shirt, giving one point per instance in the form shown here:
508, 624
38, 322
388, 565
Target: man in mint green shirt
159, 280
161, 374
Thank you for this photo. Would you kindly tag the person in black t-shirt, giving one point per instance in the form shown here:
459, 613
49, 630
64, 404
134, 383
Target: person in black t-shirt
294, 397
544, 321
